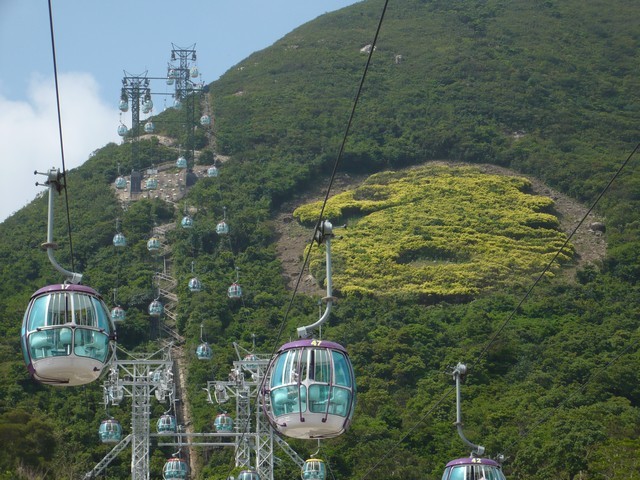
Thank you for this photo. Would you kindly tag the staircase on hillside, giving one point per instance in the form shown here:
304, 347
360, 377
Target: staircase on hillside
166, 285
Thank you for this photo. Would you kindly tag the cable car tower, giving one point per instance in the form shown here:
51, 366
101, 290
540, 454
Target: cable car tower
139, 378
182, 70
135, 91
253, 439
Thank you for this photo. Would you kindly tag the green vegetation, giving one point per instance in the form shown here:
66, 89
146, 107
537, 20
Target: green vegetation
549, 89
438, 233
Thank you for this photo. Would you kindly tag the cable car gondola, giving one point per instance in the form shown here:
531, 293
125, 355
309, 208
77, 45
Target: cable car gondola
310, 388
187, 222
248, 475
222, 228
121, 183
181, 162
153, 244
118, 314
205, 120
67, 335
212, 172
110, 431
314, 469
166, 424
223, 423
204, 352
156, 309
473, 468
175, 467
234, 291
147, 105
195, 285
149, 127
151, 183
119, 240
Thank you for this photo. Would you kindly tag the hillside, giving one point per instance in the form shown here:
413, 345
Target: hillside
549, 91
590, 246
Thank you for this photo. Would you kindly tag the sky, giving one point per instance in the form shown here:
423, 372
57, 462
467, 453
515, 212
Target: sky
96, 42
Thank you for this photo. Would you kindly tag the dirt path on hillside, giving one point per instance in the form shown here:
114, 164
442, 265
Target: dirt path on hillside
590, 246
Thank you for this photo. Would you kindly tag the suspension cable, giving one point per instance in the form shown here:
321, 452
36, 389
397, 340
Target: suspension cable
559, 251
64, 170
333, 173
510, 317
326, 198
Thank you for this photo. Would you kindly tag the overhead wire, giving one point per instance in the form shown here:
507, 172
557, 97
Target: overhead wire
64, 169
566, 399
333, 172
326, 197
558, 252
510, 317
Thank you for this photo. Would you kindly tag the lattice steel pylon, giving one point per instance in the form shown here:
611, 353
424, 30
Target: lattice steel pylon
181, 69
182, 72
135, 90
253, 440
137, 378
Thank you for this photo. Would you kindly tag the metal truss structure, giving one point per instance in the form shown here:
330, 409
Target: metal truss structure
138, 378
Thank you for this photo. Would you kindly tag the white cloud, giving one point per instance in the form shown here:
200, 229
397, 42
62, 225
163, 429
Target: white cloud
30, 137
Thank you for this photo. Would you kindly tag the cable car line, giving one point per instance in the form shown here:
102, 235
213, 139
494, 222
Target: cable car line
567, 398
64, 170
510, 318
326, 198
333, 174
548, 266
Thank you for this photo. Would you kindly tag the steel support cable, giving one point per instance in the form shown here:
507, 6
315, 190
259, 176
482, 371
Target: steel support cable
548, 266
566, 400
333, 174
326, 198
510, 318
64, 169
392, 449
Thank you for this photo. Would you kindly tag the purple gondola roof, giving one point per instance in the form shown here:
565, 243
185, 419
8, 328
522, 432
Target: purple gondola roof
312, 342
60, 287
473, 461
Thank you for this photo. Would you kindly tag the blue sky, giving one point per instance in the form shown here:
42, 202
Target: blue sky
96, 41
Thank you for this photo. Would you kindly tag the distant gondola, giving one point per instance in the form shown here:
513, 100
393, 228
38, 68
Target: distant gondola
248, 475
175, 467
314, 469
223, 423
110, 431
